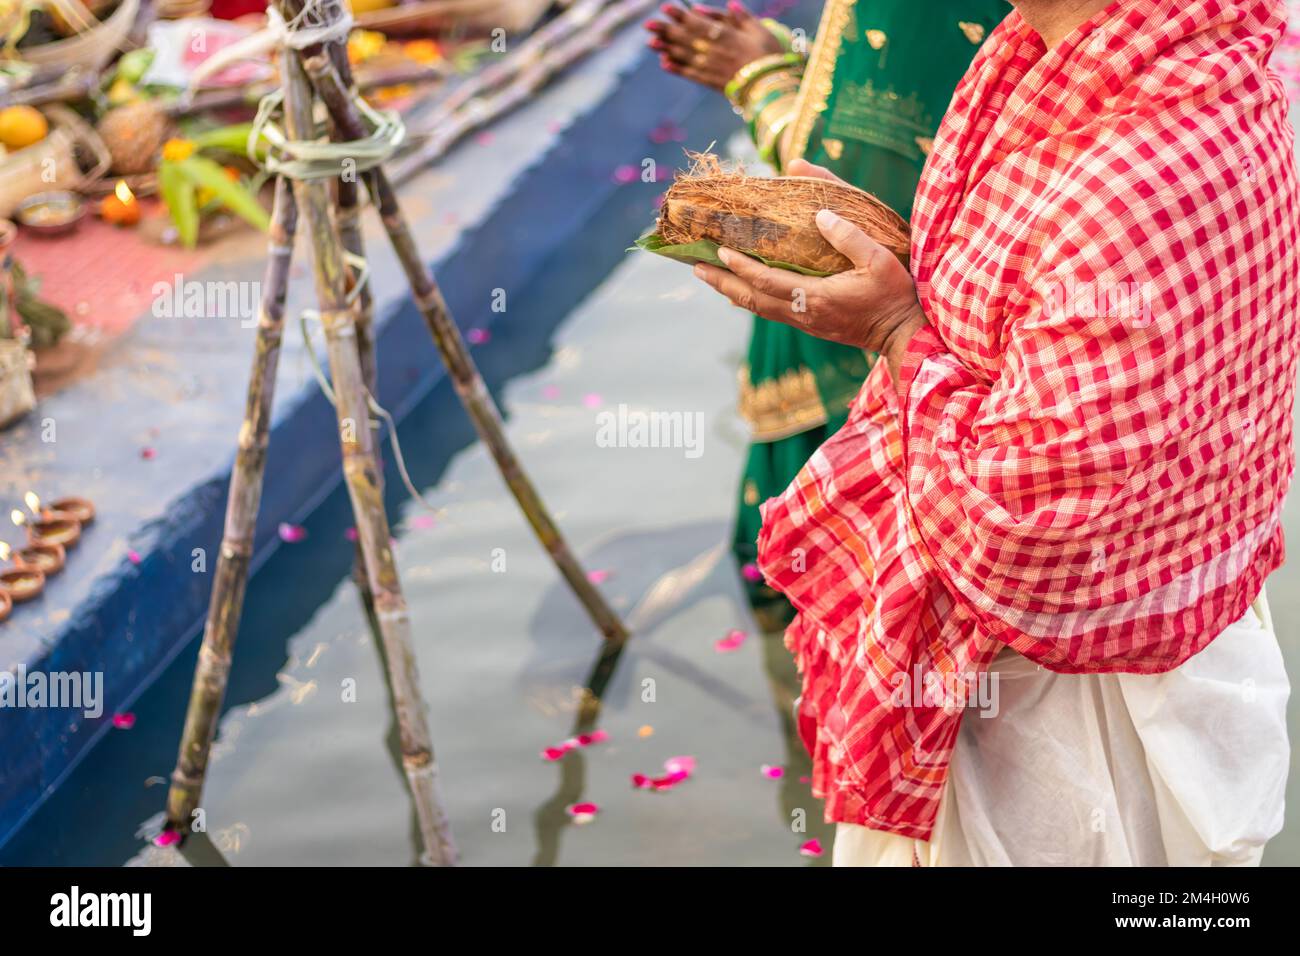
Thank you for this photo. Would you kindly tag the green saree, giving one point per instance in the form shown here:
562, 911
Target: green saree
878, 80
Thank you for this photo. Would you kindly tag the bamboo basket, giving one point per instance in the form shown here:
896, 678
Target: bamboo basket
25, 173
89, 50
514, 16
16, 395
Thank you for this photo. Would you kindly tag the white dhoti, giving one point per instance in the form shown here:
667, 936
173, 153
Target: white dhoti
1185, 768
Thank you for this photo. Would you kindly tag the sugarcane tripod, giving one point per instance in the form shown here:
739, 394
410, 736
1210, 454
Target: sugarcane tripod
313, 64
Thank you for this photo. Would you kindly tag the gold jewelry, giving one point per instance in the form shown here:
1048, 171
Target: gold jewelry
738, 85
700, 46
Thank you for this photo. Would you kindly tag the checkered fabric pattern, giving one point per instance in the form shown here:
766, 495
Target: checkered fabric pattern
1090, 459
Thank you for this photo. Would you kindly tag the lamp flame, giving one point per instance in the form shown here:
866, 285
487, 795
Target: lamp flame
33, 503
18, 517
123, 192
5, 551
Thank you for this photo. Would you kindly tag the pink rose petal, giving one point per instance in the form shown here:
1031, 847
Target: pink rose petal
812, 848
733, 640
626, 174
597, 577
583, 812
133, 556
292, 533
124, 721
148, 453
593, 400
774, 773
554, 753
350, 534
167, 838
477, 336
422, 522
751, 572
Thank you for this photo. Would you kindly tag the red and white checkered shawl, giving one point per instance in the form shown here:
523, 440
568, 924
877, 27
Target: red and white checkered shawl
1096, 441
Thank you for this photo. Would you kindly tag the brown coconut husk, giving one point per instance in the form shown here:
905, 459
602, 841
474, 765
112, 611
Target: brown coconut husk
773, 218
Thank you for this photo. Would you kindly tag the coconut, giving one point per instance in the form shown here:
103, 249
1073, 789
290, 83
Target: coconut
773, 218
134, 135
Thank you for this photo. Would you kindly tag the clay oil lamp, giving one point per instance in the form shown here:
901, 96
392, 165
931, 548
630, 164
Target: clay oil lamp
46, 558
57, 529
20, 583
80, 509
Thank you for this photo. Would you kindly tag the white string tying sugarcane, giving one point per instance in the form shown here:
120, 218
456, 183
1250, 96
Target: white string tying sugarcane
310, 160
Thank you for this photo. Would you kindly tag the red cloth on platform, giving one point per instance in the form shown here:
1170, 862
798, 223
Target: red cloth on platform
1090, 461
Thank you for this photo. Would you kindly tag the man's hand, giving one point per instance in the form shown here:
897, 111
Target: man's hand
873, 306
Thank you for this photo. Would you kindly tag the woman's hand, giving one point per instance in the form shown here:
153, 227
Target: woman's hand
709, 45
873, 306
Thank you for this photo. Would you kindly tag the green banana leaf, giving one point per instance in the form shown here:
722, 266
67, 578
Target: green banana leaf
181, 196
205, 173
706, 250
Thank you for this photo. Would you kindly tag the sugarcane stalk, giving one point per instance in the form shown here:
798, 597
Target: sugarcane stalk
530, 69
360, 474
464, 374
231, 575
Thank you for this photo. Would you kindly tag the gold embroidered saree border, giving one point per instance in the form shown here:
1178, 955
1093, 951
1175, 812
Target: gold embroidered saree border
816, 86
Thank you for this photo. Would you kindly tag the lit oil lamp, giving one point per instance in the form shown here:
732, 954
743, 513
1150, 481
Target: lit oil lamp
20, 583
121, 208
46, 558
56, 529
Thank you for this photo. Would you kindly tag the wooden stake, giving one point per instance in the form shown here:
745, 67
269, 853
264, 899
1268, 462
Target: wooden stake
231, 574
464, 374
362, 480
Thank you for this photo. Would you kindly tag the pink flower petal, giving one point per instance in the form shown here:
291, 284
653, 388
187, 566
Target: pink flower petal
350, 534
731, 642
775, 773
583, 812
133, 556
292, 533
593, 400
554, 753
684, 765
626, 174
422, 522
148, 453
812, 848
167, 838
751, 572
124, 721
597, 577
477, 336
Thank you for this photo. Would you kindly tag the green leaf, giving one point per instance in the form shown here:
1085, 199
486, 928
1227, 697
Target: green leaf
706, 250
180, 195
234, 196
231, 139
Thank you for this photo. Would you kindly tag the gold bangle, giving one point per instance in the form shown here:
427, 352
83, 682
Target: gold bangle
747, 74
769, 133
764, 86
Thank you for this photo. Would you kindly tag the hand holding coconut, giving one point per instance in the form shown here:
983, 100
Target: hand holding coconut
872, 305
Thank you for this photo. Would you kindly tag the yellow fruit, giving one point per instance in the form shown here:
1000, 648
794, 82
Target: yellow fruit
367, 6
20, 126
